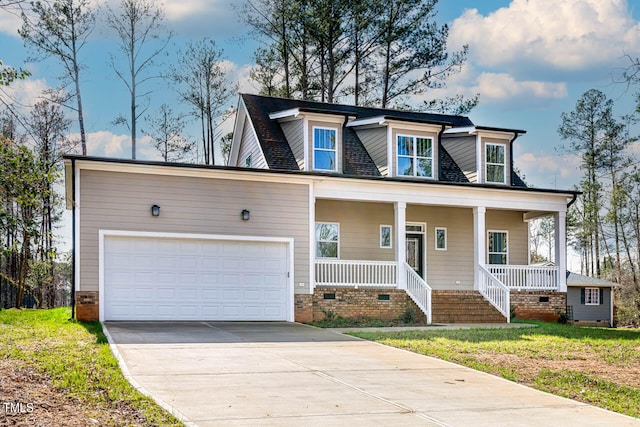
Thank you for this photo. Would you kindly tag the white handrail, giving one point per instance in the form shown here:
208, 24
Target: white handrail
526, 277
419, 291
494, 291
356, 273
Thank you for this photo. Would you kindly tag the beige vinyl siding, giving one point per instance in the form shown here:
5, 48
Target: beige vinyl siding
359, 228
375, 141
518, 238
122, 201
463, 151
394, 141
326, 125
507, 155
444, 268
294, 132
249, 146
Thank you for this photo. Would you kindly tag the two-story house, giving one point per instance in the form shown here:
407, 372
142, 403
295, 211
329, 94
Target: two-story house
362, 212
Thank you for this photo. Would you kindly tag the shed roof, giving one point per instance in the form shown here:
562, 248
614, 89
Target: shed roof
575, 279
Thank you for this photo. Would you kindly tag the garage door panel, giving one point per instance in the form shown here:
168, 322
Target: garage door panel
174, 279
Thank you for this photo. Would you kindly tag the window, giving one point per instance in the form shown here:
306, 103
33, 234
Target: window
324, 149
385, 236
592, 296
495, 163
327, 240
441, 239
498, 253
247, 161
415, 156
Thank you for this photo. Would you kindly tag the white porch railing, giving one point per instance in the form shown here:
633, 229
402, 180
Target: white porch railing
356, 273
526, 277
419, 291
494, 291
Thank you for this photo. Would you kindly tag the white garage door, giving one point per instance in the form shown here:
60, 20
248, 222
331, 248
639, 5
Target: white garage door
193, 279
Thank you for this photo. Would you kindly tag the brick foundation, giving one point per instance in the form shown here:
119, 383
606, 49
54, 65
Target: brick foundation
530, 305
87, 306
353, 303
303, 311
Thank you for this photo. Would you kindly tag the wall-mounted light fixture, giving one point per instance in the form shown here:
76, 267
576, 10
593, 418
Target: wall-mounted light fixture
245, 215
155, 210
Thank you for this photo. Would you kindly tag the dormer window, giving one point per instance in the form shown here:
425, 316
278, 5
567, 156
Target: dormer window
415, 156
325, 149
495, 166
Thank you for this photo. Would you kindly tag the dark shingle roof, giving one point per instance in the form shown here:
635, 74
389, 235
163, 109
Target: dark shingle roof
275, 147
449, 169
516, 181
357, 160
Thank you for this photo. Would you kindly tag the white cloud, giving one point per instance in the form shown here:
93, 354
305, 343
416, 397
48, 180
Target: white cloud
543, 170
10, 20
23, 94
108, 144
567, 35
500, 86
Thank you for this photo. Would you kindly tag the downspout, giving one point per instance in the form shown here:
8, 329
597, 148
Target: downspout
442, 129
343, 150
73, 239
515, 136
573, 200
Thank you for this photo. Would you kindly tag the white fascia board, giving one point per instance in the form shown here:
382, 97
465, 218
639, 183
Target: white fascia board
292, 112
507, 136
471, 130
439, 195
238, 126
327, 118
238, 174
417, 127
378, 120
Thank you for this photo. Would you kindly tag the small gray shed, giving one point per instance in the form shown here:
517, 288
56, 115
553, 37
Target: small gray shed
590, 300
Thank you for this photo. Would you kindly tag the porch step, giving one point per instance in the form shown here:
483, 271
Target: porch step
463, 307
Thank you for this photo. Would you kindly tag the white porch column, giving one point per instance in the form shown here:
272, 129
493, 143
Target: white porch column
400, 209
479, 243
560, 220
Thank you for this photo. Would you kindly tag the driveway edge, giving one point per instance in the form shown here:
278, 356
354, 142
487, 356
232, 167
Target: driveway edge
125, 371
575, 403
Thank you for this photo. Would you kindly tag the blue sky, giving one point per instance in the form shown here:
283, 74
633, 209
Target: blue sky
530, 61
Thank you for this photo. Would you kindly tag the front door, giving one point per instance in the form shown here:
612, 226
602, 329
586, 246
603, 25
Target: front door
415, 252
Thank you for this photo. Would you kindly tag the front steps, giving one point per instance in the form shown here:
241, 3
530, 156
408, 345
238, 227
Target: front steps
463, 307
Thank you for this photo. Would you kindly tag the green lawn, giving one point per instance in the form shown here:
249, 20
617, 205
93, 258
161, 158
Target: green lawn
593, 365
75, 358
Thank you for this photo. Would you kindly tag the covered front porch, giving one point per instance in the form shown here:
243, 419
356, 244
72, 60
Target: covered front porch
442, 248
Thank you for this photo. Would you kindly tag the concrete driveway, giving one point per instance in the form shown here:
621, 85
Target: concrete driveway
213, 374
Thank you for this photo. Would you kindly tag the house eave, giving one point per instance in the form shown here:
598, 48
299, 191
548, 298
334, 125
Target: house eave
314, 174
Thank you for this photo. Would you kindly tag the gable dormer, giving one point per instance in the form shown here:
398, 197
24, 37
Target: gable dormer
401, 148
315, 138
484, 154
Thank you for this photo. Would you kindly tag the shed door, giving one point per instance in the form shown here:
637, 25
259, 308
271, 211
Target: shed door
192, 279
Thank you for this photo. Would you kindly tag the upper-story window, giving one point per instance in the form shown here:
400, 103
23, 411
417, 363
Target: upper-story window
325, 149
415, 156
495, 163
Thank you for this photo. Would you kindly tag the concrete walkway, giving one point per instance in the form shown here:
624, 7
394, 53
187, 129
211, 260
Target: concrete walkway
285, 374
